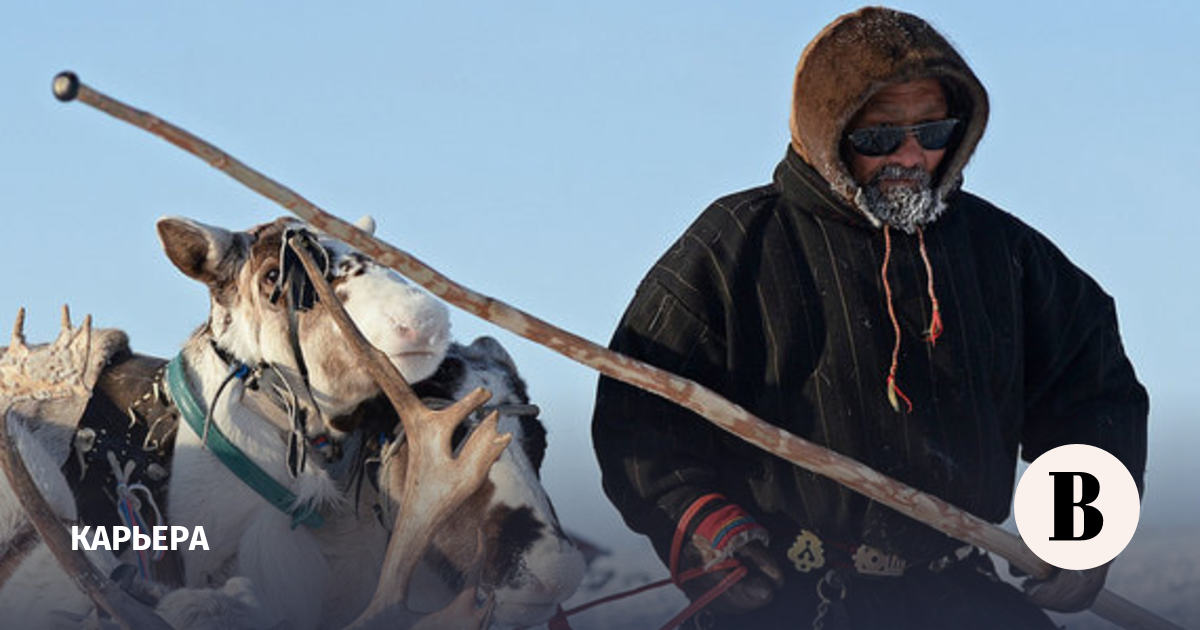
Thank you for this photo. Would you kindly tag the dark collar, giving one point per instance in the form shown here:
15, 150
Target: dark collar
806, 191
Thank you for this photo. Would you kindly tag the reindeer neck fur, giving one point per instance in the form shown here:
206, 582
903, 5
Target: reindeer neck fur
293, 568
257, 425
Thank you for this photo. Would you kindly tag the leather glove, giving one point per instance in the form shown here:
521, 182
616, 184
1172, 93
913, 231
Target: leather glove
755, 590
1067, 590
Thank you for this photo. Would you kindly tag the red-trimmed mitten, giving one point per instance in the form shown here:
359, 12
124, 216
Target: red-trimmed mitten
724, 531
727, 531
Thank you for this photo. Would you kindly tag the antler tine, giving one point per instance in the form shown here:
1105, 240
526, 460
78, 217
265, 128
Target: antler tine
126, 611
47, 371
18, 333
65, 332
86, 329
435, 482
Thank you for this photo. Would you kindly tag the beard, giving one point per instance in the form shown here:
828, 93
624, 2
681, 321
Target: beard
903, 207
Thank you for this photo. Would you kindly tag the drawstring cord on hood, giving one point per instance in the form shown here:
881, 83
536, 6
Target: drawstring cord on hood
893, 390
894, 394
935, 321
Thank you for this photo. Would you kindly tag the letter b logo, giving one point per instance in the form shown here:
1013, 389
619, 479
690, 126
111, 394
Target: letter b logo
1076, 506
1064, 506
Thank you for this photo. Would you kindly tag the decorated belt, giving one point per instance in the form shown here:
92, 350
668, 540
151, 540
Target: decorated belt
809, 553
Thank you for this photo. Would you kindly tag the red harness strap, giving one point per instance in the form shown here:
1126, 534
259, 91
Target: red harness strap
559, 621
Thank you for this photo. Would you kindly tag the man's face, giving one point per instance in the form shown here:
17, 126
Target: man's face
897, 187
898, 105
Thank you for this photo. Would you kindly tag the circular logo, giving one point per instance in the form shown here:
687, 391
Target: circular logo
1076, 506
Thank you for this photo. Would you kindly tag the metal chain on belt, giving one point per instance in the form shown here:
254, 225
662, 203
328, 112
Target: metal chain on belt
834, 581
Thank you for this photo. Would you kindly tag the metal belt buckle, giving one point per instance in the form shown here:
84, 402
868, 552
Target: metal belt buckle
871, 561
807, 553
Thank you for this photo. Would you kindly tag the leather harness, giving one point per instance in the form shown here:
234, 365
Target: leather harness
130, 417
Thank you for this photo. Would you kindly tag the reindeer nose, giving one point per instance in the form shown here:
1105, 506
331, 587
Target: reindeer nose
416, 335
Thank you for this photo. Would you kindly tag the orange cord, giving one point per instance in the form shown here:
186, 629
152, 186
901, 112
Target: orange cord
935, 322
893, 390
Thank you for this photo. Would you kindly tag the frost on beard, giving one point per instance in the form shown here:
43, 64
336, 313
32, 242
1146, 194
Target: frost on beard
903, 207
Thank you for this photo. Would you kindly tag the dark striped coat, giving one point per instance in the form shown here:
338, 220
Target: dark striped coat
773, 298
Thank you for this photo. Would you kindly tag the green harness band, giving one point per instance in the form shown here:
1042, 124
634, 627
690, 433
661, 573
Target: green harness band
233, 457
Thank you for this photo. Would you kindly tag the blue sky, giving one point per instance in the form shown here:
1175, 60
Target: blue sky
546, 153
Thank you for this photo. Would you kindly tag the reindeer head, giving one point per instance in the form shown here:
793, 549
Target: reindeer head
242, 270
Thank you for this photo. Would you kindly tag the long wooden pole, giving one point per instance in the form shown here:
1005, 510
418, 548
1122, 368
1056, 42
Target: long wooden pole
903, 498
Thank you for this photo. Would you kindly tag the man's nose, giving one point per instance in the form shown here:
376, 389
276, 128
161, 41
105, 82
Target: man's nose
910, 153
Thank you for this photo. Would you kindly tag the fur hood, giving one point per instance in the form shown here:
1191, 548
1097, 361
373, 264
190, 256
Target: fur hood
848, 62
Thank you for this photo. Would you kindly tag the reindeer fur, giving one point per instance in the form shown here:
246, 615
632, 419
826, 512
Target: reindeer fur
259, 570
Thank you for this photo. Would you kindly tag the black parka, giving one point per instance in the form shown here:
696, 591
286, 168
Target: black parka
773, 298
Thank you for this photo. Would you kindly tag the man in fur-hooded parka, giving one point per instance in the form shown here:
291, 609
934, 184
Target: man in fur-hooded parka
870, 305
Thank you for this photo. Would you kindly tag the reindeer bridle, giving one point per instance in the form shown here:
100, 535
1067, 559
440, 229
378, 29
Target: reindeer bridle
295, 287
300, 295
230, 455
297, 290
293, 278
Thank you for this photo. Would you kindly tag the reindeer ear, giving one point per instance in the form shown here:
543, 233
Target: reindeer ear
490, 348
366, 223
195, 248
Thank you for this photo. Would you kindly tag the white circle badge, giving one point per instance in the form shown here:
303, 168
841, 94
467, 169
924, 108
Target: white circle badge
1076, 506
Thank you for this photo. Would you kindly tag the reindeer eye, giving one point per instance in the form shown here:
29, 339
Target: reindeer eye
272, 276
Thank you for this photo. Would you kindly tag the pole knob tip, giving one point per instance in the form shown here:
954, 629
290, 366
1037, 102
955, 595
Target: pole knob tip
65, 86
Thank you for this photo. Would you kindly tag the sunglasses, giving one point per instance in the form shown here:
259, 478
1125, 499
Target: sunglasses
877, 141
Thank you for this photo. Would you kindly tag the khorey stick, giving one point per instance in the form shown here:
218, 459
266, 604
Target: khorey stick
905, 499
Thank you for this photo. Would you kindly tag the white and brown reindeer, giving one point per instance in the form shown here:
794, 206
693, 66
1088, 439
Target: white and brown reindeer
275, 379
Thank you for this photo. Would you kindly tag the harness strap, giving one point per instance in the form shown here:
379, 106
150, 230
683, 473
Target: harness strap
681, 528
130, 421
299, 295
559, 621
515, 409
231, 456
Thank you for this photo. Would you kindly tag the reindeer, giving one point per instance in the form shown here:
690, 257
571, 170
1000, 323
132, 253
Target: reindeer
275, 379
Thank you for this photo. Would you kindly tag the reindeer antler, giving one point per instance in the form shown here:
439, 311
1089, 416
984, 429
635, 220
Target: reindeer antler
53, 371
434, 480
56, 370
434, 483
